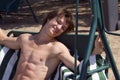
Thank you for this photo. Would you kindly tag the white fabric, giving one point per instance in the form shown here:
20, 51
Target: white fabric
3, 53
93, 66
8, 70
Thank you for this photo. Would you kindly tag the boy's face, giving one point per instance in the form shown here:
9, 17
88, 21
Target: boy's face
56, 26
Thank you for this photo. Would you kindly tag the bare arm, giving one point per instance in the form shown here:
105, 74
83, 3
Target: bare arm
67, 59
11, 42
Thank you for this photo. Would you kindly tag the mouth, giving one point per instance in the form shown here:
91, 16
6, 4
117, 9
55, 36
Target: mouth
55, 30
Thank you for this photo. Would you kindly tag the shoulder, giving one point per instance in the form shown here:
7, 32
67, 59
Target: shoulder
24, 37
59, 46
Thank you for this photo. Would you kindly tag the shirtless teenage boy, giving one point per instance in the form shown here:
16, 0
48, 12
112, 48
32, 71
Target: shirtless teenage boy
41, 53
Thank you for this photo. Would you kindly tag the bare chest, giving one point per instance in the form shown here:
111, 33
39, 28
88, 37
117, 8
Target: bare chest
38, 60
38, 54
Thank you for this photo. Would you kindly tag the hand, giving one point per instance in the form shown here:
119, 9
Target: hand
98, 48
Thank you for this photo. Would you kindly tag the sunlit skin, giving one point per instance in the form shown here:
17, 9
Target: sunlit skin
41, 53
98, 46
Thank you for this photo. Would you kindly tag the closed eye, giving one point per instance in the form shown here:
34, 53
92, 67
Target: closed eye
59, 21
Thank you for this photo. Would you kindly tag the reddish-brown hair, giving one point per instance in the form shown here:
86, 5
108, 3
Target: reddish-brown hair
61, 12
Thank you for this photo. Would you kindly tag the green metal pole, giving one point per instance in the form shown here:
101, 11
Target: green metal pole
105, 42
110, 56
76, 41
90, 43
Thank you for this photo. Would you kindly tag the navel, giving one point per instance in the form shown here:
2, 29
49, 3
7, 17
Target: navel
41, 60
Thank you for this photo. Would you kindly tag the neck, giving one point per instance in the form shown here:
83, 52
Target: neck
42, 38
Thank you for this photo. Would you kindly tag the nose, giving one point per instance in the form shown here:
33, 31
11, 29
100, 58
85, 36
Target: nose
59, 26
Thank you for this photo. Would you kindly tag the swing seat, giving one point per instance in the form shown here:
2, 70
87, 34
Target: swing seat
9, 59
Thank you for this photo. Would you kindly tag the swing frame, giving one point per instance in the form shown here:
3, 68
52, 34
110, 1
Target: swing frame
98, 23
